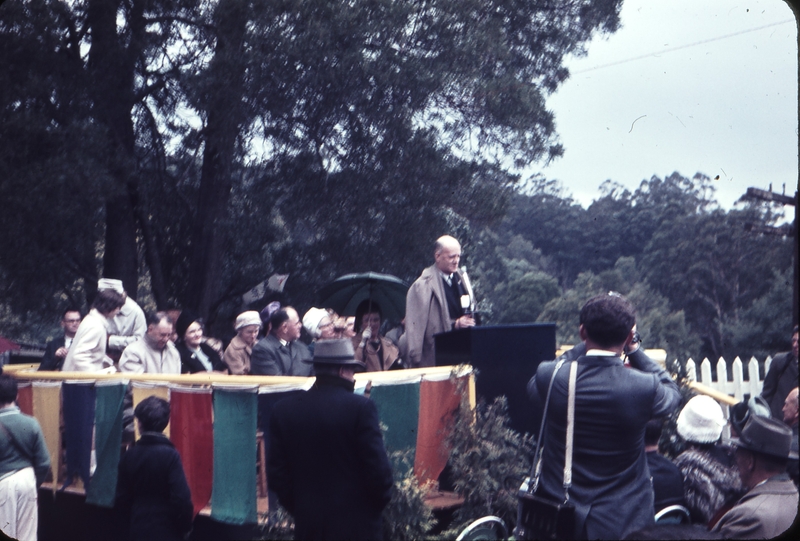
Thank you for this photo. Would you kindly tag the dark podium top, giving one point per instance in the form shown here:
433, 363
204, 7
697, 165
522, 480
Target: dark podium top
506, 357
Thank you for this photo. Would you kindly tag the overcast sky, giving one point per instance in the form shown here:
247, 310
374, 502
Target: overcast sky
685, 85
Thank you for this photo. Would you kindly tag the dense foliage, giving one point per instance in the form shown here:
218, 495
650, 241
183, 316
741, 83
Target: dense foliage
703, 283
193, 148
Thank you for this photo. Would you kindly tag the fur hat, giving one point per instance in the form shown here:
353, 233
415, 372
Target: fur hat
251, 317
701, 420
312, 319
764, 435
335, 352
111, 283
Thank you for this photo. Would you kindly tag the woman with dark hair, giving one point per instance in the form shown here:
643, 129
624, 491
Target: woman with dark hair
196, 355
88, 350
377, 352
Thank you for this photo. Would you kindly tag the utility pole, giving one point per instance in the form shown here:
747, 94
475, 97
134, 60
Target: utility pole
784, 230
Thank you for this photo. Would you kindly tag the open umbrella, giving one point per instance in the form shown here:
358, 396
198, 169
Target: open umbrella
346, 292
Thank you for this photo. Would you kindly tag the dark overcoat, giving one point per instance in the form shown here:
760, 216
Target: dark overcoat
49, 359
152, 490
611, 486
327, 462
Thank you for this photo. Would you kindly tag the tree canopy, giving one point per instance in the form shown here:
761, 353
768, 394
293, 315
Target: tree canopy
192, 148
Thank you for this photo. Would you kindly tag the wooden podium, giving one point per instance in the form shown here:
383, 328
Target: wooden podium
506, 357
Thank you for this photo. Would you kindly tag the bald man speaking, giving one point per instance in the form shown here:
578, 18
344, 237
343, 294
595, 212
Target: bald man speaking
434, 303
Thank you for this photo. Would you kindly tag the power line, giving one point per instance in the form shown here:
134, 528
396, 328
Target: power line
679, 47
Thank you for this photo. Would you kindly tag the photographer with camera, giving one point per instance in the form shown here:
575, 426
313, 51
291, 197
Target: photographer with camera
610, 487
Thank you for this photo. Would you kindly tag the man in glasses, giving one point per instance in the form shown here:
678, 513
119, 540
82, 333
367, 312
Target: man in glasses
57, 348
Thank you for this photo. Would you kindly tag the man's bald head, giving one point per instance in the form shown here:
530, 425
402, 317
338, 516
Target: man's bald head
447, 253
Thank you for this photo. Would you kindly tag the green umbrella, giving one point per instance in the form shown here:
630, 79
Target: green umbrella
346, 292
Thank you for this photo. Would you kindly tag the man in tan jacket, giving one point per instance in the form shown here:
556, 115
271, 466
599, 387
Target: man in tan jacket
434, 303
770, 506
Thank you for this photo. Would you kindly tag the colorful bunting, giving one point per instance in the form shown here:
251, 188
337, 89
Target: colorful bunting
233, 496
47, 410
108, 441
79, 402
193, 436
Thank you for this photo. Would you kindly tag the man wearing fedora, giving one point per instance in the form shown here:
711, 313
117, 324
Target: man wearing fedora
327, 461
769, 507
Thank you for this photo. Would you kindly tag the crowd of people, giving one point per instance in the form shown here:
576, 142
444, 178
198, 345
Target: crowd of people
602, 419
117, 335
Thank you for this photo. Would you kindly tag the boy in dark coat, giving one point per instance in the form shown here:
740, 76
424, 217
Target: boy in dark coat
152, 491
327, 461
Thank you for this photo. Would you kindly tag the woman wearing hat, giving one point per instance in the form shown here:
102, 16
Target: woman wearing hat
196, 355
319, 324
710, 481
377, 352
237, 354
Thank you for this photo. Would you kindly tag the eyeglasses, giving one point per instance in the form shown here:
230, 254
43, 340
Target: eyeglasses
73, 320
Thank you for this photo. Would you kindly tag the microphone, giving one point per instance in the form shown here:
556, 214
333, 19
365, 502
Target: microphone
469, 303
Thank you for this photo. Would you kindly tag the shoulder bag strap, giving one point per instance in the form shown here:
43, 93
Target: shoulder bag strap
536, 467
573, 373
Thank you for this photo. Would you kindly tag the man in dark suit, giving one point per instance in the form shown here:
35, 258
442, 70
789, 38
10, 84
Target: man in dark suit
280, 353
781, 378
327, 461
611, 487
56, 350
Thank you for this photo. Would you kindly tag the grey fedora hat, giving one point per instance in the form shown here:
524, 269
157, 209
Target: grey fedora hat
764, 435
335, 352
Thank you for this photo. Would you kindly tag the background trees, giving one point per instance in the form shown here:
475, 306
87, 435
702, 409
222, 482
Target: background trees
193, 148
700, 280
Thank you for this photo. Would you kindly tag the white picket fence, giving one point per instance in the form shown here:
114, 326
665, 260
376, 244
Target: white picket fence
739, 386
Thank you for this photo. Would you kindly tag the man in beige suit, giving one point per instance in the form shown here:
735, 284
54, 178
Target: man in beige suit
434, 303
